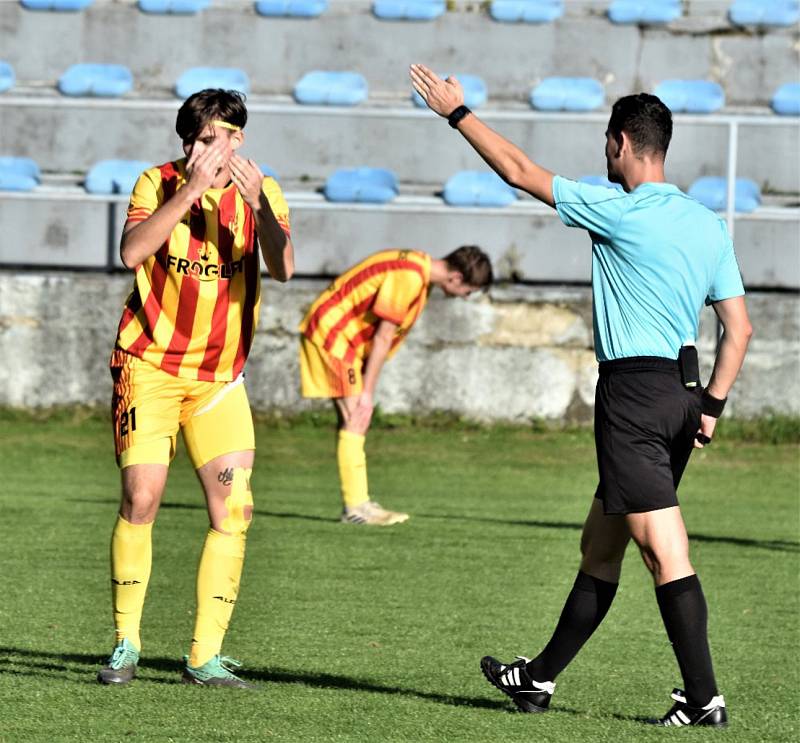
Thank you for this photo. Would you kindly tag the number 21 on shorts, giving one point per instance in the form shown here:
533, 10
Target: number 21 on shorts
128, 418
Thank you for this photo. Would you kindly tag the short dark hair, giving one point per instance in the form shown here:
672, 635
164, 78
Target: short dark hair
473, 264
206, 105
645, 119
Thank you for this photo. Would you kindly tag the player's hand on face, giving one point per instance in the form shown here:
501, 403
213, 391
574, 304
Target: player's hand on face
442, 96
204, 164
247, 177
707, 426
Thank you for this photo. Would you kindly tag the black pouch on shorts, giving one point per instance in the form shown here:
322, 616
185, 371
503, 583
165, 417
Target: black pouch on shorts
689, 366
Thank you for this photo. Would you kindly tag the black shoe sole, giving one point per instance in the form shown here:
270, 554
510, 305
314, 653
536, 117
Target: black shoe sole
522, 704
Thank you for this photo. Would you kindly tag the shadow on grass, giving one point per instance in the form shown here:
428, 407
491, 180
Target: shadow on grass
24, 662
780, 545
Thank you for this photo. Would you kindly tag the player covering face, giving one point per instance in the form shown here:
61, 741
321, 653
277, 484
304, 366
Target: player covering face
196, 231
353, 328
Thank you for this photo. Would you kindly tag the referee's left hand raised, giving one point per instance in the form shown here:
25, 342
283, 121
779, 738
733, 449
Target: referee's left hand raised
442, 96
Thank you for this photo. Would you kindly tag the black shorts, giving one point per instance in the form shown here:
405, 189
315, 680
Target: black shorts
644, 426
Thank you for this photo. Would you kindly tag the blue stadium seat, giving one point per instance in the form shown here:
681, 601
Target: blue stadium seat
59, 5
475, 93
369, 185
600, 180
526, 11
114, 176
268, 171
173, 7
200, 78
567, 94
324, 88
18, 174
691, 96
712, 192
644, 11
7, 78
103, 80
786, 100
764, 12
408, 10
478, 188
292, 8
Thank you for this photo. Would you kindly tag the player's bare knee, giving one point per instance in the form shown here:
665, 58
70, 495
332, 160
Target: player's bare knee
239, 503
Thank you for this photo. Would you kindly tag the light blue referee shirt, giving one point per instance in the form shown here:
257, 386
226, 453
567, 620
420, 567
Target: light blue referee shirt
657, 257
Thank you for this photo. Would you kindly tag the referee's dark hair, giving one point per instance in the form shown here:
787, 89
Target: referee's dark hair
645, 119
207, 105
473, 264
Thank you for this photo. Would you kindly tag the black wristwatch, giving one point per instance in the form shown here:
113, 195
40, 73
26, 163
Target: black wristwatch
456, 116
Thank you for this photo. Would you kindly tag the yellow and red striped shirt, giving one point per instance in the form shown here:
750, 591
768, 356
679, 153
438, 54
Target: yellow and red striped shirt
194, 305
390, 285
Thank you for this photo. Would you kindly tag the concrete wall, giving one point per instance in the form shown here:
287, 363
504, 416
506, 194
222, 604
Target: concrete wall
519, 353
302, 142
526, 241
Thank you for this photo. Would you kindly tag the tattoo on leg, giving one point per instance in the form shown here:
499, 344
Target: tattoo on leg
226, 476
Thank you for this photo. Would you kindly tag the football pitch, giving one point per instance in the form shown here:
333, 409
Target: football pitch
360, 634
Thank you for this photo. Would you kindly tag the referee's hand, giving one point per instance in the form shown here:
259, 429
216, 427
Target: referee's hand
442, 96
707, 426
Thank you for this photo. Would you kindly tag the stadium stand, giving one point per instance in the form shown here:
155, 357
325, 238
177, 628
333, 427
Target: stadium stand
367, 185
114, 176
476, 188
56, 5
199, 78
712, 192
173, 7
7, 77
102, 80
764, 12
526, 11
475, 92
408, 10
691, 96
292, 8
18, 174
786, 101
327, 88
649, 12
567, 94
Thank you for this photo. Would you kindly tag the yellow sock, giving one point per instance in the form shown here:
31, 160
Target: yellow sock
217, 589
131, 558
352, 468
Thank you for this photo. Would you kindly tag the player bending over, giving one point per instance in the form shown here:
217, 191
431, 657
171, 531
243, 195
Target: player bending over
353, 327
657, 257
193, 235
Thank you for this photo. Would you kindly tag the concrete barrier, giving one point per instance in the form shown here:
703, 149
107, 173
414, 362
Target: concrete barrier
518, 354
66, 136
527, 241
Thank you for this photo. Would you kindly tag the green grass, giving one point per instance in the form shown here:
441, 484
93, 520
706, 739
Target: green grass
373, 635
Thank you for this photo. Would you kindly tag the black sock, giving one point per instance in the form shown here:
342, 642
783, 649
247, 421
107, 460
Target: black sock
586, 605
683, 609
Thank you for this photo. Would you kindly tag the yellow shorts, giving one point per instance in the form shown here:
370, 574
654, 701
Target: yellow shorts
322, 375
149, 405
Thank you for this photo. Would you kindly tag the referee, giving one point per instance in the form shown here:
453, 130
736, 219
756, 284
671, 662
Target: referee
657, 257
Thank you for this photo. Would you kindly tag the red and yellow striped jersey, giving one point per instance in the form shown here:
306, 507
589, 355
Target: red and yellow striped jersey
194, 305
390, 285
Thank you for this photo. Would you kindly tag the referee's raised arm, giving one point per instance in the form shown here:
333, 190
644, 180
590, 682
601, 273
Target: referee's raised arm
446, 98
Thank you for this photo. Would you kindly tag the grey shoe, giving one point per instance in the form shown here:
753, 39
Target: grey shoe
370, 513
121, 666
216, 672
